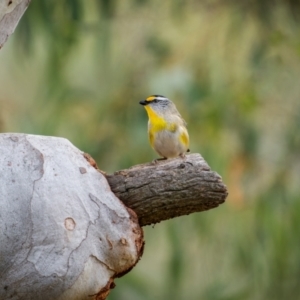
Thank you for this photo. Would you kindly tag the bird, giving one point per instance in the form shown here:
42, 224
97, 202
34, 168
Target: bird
167, 130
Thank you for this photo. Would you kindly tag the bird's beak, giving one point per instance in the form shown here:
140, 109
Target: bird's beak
143, 102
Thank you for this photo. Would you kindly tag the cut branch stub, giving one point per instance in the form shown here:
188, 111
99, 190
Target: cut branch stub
168, 189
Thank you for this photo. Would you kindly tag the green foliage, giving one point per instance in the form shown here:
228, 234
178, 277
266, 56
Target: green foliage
77, 69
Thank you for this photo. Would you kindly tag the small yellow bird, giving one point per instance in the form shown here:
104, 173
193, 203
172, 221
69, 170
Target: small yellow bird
166, 128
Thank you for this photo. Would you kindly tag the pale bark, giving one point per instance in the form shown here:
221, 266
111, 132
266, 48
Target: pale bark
10, 13
63, 233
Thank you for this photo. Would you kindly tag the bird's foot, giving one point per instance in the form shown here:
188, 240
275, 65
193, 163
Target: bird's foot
182, 155
155, 161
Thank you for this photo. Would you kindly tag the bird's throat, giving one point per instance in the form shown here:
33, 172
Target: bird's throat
156, 121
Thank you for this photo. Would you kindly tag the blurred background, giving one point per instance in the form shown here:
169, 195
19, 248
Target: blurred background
77, 69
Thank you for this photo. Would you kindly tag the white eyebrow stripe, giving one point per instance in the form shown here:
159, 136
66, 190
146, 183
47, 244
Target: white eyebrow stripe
161, 98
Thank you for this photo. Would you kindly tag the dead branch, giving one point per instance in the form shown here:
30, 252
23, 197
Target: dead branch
168, 189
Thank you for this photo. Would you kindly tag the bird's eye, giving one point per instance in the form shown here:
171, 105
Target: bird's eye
154, 101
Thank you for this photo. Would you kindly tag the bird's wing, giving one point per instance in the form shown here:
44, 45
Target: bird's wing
181, 119
178, 116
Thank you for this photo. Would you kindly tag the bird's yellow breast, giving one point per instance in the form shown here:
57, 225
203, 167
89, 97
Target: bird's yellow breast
157, 122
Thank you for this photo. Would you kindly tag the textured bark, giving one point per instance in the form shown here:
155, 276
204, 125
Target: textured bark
169, 188
11, 12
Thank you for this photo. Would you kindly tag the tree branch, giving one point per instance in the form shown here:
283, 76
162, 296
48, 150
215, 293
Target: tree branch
168, 189
11, 12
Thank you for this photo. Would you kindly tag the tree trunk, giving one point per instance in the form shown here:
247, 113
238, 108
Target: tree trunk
63, 233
